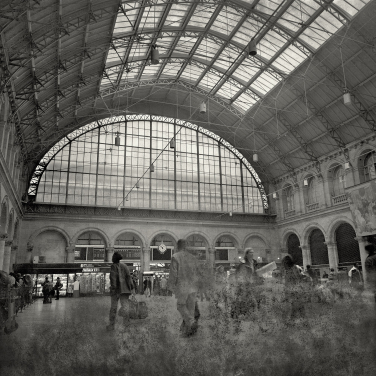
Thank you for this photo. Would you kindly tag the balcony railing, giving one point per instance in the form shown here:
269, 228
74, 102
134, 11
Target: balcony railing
340, 199
289, 213
312, 207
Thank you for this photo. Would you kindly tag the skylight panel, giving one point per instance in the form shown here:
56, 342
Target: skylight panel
226, 21
289, 59
312, 38
228, 90
271, 44
202, 15
164, 45
326, 25
248, 29
245, 71
171, 70
150, 71
265, 83
209, 81
185, 44
207, 49
192, 73
138, 52
177, 14
244, 102
125, 22
350, 6
268, 7
115, 56
226, 58
151, 17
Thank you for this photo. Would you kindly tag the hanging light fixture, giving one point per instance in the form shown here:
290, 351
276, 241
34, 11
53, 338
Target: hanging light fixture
127, 198
275, 196
117, 139
137, 185
347, 165
172, 144
347, 98
255, 157
152, 168
119, 207
252, 49
305, 182
154, 56
202, 108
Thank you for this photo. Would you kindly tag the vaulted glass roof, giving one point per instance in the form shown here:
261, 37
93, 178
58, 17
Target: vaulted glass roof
206, 42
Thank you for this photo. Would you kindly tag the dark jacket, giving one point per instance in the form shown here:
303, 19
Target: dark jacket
370, 266
120, 279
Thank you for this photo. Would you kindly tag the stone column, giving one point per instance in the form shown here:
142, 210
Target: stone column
321, 192
7, 252
70, 254
146, 260
298, 199
2, 249
13, 257
109, 253
306, 252
211, 257
363, 255
332, 255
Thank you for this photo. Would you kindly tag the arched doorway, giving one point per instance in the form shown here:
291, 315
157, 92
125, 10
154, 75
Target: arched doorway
90, 246
197, 245
161, 250
129, 246
347, 246
319, 250
259, 249
225, 251
293, 248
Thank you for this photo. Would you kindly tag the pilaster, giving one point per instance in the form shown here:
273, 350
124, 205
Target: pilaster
3, 237
13, 256
7, 252
306, 253
70, 253
109, 253
332, 255
363, 255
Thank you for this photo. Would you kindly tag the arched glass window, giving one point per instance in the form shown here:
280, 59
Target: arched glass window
338, 183
369, 166
201, 172
89, 247
288, 198
312, 190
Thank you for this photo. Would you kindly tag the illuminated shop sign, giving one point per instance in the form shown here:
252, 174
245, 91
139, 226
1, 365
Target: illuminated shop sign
89, 270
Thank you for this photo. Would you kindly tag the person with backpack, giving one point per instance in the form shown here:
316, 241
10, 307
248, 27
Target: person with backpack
46, 290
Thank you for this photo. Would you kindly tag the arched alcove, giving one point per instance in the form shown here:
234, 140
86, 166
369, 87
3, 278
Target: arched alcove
347, 246
90, 246
197, 245
259, 248
293, 248
318, 248
50, 246
129, 245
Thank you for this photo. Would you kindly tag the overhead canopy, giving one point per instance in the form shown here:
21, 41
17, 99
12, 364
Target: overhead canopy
66, 63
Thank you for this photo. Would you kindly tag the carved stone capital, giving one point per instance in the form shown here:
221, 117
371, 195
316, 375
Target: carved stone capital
329, 244
212, 250
146, 250
110, 249
70, 249
3, 236
14, 248
8, 243
30, 247
360, 239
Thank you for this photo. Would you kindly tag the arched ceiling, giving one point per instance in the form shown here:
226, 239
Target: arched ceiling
65, 63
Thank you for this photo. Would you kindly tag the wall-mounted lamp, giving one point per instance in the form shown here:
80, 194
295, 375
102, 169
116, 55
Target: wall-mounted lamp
305, 182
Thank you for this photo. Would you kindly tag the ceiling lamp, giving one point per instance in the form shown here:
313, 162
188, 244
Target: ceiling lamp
152, 168
202, 108
230, 214
252, 49
305, 182
137, 185
127, 198
154, 56
119, 207
347, 98
117, 139
255, 157
347, 165
172, 144
275, 195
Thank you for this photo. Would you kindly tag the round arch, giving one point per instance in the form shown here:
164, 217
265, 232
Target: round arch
318, 247
133, 232
331, 237
49, 228
259, 246
255, 234
91, 229
229, 234
308, 229
199, 233
286, 233
4, 215
162, 232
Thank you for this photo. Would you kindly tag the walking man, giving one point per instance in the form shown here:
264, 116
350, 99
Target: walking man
58, 287
183, 282
121, 288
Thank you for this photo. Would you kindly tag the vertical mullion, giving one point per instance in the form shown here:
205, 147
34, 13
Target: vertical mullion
151, 158
96, 172
198, 171
220, 174
242, 184
175, 184
68, 173
125, 157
